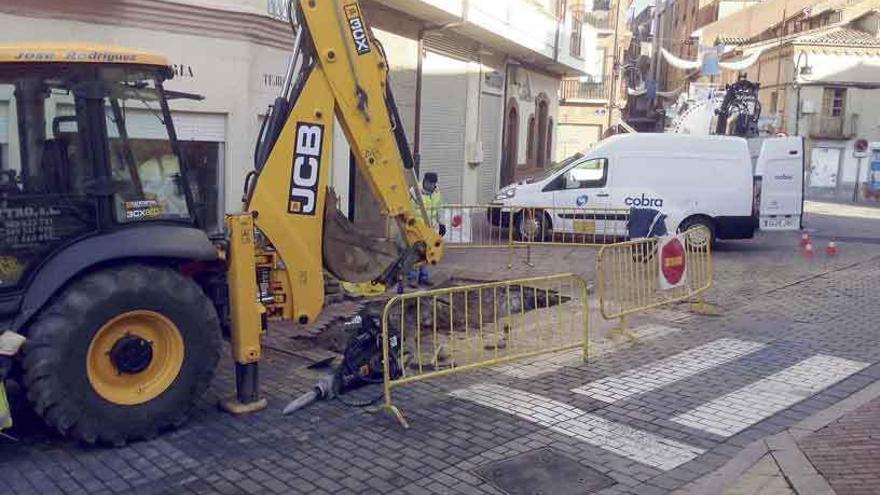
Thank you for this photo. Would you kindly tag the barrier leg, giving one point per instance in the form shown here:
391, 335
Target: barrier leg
388, 406
529, 255
386, 369
701, 307
398, 415
622, 330
586, 300
510, 245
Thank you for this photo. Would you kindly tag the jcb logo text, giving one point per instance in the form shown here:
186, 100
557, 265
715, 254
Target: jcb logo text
306, 168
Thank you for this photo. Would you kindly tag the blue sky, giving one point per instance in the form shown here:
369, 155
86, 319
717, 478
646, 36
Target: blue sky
638, 5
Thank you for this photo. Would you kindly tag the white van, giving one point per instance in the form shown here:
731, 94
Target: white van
694, 180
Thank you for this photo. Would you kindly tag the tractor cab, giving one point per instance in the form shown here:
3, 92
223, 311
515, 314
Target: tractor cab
68, 168
97, 233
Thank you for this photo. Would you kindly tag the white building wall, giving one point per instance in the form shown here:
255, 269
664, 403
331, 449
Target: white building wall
526, 23
590, 60
235, 77
850, 69
239, 77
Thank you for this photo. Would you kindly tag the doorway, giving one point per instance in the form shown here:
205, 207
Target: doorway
511, 143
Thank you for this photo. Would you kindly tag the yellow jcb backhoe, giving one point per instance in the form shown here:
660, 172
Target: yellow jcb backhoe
113, 297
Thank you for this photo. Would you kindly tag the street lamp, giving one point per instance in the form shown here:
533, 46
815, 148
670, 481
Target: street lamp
806, 70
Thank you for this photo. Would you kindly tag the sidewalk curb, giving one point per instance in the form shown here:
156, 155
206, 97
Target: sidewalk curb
793, 463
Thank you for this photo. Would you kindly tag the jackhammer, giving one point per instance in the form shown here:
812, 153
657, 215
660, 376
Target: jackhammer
361, 365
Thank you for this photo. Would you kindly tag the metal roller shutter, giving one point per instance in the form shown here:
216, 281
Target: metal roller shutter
444, 90
200, 127
490, 134
145, 124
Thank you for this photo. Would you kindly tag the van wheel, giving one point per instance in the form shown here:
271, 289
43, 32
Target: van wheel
701, 237
122, 354
532, 226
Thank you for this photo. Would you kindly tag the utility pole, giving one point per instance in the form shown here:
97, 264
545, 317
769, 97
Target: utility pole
612, 97
655, 39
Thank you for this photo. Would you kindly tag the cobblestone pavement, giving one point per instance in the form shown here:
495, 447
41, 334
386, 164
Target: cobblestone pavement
795, 337
847, 451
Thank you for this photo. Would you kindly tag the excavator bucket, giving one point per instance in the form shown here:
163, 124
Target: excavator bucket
351, 255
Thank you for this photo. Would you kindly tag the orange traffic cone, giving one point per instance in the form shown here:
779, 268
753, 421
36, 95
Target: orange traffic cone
831, 250
805, 239
808, 250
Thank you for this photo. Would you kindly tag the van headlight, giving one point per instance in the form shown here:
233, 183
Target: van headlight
506, 193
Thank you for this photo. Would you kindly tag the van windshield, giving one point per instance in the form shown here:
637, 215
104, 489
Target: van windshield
555, 167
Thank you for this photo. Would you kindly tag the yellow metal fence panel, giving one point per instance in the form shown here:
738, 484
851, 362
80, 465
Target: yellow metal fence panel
630, 275
439, 332
569, 225
492, 226
480, 226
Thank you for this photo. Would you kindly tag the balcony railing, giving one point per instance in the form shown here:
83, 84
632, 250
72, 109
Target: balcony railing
828, 127
575, 90
598, 19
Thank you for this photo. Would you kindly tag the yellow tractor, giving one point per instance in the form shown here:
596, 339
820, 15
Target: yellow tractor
114, 299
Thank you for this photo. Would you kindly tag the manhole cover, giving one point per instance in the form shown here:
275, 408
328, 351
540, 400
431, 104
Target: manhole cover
543, 472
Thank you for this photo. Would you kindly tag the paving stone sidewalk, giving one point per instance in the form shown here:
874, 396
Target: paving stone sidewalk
803, 332
847, 452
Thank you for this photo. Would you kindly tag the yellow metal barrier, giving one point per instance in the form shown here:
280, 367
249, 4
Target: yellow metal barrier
639, 275
473, 226
439, 332
513, 227
478, 226
564, 226
567, 226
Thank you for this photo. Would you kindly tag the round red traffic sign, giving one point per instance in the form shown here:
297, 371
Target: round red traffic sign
456, 220
672, 261
861, 145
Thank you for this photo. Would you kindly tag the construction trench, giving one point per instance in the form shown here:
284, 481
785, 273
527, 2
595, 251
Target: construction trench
468, 323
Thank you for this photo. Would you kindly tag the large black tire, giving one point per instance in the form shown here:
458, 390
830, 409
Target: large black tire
55, 354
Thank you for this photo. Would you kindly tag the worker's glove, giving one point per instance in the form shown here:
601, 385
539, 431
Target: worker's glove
442, 230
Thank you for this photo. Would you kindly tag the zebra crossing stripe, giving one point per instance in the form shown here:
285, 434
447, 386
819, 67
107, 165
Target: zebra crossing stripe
621, 439
672, 369
547, 364
736, 411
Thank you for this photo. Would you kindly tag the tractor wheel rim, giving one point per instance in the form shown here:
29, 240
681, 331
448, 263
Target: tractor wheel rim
135, 357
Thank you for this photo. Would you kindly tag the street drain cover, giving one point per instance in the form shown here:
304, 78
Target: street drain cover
543, 472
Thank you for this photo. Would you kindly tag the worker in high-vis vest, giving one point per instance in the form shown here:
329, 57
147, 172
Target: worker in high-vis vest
433, 202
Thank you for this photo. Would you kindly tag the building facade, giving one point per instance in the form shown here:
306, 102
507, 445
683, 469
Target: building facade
585, 101
642, 111
819, 72
682, 27
476, 84
819, 76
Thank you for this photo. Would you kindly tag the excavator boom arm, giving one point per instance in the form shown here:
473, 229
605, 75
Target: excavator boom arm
275, 266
